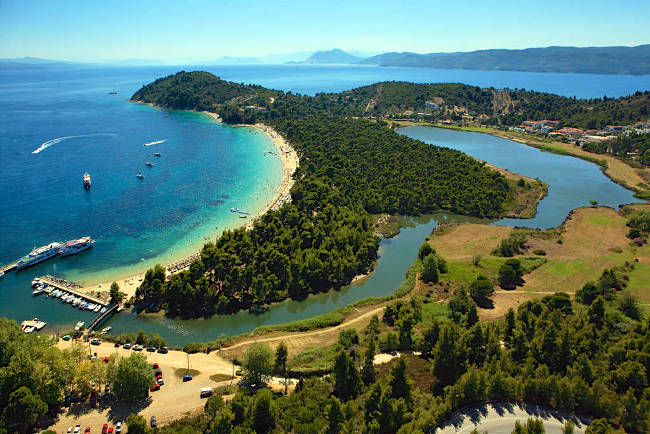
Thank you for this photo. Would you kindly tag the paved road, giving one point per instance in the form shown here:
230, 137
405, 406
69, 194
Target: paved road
500, 418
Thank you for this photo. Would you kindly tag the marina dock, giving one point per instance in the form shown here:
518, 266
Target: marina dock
72, 289
8, 267
102, 317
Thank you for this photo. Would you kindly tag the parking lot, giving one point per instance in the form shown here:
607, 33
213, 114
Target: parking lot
174, 399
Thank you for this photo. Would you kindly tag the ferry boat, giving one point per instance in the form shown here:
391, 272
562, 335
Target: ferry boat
139, 176
237, 210
73, 247
149, 164
39, 255
86, 181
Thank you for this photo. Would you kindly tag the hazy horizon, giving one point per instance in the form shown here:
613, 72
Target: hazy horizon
200, 30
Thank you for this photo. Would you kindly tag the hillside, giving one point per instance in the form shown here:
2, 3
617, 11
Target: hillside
196, 91
593, 60
504, 106
332, 56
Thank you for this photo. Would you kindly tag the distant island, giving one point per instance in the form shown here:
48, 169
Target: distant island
592, 60
586, 60
332, 56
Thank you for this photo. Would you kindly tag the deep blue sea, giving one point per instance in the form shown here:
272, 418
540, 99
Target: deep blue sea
205, 169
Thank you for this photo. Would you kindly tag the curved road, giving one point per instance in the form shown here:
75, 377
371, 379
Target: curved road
500, 418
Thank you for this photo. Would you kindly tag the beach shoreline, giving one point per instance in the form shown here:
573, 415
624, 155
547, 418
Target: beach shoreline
290, 162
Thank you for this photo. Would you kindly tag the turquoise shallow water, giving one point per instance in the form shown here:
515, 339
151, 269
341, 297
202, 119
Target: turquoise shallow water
206, 168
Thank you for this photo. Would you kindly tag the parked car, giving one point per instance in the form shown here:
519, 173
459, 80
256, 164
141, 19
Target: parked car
155, 365
157, 373
151, 349
206, 392
153, 422
110, 430
87, 429
118, 428
160, 382
163, 350
77, 429
95, 341
117, 345
155, 387
137, 347
126, 346
104, 428
69, 430
106, 359
187, 377
66, 337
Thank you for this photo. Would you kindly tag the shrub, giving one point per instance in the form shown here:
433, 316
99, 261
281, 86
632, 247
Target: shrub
539, 252
430, 269
511, 245
480, 290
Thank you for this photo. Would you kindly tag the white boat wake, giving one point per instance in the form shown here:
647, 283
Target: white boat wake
155, 143
49, 143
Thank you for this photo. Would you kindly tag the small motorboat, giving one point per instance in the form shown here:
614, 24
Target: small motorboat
149, 164
139, 176
157, 154
79, 325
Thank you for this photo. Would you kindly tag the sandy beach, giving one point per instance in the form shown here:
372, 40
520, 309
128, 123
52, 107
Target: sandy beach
290, 163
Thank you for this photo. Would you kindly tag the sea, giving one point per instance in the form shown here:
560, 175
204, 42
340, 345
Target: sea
56, 124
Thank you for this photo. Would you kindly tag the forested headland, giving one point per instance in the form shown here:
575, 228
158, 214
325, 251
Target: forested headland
350, 168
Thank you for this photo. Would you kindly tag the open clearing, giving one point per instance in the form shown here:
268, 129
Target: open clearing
589, 241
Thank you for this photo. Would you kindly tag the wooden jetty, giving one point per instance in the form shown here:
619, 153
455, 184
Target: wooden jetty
65, 286
8, 267
102, 317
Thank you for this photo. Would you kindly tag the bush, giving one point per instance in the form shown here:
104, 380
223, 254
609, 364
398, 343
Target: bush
510, 274
430, 269
539, 252
511, 245
480, 290
425, 250
587, 294
388, 341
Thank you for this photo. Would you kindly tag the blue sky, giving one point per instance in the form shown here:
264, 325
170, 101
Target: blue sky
192, 29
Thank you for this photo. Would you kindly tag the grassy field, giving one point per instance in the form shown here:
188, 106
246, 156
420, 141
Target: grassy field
590, 240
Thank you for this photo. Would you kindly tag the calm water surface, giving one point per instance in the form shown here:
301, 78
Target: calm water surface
207, 168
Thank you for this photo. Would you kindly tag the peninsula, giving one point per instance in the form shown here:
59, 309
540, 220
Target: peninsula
350, 168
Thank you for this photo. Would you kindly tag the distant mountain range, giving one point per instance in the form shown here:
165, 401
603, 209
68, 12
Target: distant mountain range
31, 63
593, 60
596, 60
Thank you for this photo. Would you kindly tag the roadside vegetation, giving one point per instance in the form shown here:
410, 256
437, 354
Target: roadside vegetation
584, 358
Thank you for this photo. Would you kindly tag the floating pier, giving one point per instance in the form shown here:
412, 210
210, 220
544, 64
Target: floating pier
8, 267
70, 288
102, 317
